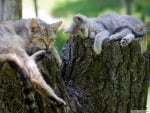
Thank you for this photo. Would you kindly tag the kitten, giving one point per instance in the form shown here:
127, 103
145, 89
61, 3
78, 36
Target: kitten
15, 37
36, 34
109, 26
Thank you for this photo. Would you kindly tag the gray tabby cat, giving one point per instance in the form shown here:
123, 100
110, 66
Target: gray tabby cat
109, 26
15, 37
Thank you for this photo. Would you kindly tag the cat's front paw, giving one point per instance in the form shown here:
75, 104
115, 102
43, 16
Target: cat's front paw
97, 50
92, 35
60, 62
114, 37
57, 101
38, 53
126, 40
61, 102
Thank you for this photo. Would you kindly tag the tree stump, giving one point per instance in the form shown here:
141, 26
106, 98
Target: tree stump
116, 81
11, 97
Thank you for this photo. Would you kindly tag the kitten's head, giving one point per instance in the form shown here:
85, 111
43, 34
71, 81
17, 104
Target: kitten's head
79, 27
42, 34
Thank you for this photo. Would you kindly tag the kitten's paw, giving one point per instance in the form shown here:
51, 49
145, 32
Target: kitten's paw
59, 62
126, 40
38, 53
97, 50
114, 37
61, 102
57, 101
92, 35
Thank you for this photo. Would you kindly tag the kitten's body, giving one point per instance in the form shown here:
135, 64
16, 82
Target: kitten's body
15, 38
112, 26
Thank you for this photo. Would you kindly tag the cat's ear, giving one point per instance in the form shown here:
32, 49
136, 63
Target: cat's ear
56, 25
79, 18
34, 24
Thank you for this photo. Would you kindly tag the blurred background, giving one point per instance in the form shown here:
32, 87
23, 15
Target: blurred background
54, 10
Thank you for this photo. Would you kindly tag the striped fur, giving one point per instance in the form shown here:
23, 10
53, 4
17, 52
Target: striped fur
16, 37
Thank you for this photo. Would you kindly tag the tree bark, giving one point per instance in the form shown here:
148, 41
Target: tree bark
116, 81
11, 97
128, 6
10, 9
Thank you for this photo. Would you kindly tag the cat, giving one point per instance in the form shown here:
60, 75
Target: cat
108, 26
16, 36
36, 34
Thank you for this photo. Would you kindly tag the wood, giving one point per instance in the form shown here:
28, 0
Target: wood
10, 9
114, 82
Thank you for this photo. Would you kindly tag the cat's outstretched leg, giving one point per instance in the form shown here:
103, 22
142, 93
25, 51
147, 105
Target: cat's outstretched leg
100, 37
38, 81
125, 35
31, 72
120, 34
36, 54
27, 87
56, 55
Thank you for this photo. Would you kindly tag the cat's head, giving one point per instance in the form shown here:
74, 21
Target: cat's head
79, 27
42, 34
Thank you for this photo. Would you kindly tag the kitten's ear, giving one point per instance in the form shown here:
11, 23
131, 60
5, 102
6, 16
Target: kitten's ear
33, 24
56, 25
79, 18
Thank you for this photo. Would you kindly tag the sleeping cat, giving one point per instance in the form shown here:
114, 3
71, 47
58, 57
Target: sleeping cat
35, 33
109, 26
15, 37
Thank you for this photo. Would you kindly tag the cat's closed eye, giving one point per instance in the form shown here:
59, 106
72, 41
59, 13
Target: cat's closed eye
52, 39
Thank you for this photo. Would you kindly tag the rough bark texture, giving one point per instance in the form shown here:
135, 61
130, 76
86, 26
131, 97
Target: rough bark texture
10, 9
11, 97
114, 82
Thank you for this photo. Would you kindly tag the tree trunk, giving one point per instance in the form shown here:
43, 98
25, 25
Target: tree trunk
114, 82
11, 97
128, 6
10, 90
10, 9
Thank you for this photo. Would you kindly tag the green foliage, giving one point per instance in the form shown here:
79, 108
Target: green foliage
142, 6
61, 38
87, 7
